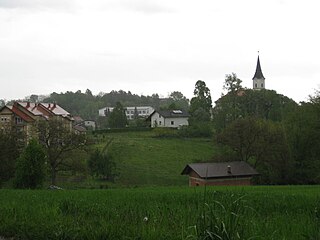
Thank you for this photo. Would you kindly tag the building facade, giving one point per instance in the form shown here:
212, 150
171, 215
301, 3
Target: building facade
169, 118
131, 112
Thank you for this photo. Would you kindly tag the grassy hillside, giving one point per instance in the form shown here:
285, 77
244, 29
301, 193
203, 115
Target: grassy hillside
143, 159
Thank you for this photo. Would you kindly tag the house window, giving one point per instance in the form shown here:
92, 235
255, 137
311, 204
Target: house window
159, 123
256, 85
262, 85
18, 120
172, 122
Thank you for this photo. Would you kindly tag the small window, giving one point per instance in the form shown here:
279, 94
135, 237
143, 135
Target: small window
172, 122
262, 85
159, 123
256, 85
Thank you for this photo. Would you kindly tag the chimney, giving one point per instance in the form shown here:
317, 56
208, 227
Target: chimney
229, 169
28, 105
49, 106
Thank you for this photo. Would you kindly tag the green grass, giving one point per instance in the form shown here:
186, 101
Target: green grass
284, 212
143, 159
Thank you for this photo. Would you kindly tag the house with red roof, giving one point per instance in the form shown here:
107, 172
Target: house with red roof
23, 115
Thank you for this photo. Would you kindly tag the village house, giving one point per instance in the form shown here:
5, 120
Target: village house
23, 115
169, 118
219, 174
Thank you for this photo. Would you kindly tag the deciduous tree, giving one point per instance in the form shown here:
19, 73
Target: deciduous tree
201, 104
30, 169
118, 118
58, 141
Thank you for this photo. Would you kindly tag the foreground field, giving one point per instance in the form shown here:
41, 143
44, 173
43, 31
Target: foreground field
162, 213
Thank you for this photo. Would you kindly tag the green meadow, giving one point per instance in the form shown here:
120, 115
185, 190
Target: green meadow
260, 212
145, 159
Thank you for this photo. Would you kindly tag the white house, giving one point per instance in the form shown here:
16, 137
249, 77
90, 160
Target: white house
90, 124
143, 111
169, 118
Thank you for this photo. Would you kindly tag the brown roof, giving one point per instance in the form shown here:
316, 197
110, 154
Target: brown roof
79, 128
220, 170
21, 114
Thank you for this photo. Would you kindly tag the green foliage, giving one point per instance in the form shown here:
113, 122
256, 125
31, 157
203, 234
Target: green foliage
303, 134
261, 143
177, 101
87, 105
11, 144
101, 164
265, 104
232, 83
58, 141
201, 103
30, 168
162, 213
118, 118
196, 130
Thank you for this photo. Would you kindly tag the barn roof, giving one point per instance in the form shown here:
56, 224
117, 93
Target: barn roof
220, 170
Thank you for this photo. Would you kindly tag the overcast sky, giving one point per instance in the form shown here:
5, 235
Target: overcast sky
157, 46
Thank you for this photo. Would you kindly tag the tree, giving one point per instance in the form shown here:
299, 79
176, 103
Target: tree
58, 140
101, 164
232, 83
200, 103
11, 144
178, 101
264, 104
261, 143
302, 130
30, 169
118, 118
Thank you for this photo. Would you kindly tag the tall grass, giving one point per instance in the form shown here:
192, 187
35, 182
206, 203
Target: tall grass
162, 213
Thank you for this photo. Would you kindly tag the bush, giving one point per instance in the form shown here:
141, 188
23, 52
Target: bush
199, 130
30, 168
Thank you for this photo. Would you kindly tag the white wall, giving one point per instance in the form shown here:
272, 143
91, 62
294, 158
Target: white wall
158, 121
129, 111
258, 82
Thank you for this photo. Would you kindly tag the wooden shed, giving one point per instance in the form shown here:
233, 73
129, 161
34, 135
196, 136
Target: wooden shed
219, 174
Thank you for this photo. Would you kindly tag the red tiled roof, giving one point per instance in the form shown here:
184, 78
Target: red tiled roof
21, 114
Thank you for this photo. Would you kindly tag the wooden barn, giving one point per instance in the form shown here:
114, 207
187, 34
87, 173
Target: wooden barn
219, 174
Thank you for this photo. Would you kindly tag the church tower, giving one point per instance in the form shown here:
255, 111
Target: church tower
258, 78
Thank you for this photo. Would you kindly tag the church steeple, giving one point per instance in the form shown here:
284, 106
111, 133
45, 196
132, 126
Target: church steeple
258, 78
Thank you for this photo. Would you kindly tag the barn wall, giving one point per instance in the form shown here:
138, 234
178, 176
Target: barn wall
195, 181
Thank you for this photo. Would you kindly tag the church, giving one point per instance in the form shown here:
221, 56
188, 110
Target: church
258, 78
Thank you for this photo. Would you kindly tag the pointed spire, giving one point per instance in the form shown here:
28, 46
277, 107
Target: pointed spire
258, 74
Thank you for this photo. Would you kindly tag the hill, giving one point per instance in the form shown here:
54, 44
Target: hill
144, 159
